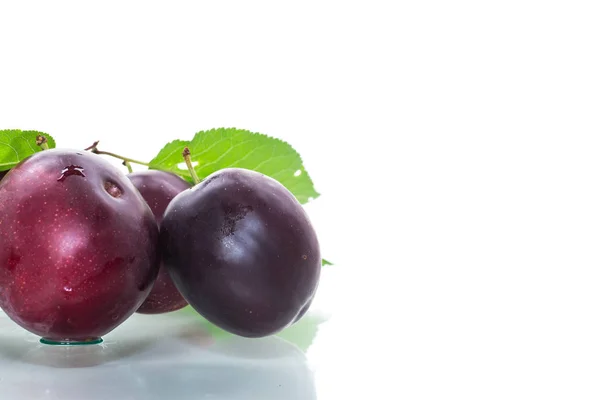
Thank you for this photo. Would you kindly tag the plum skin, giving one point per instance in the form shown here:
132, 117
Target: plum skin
158, 188
242, 251
78, 246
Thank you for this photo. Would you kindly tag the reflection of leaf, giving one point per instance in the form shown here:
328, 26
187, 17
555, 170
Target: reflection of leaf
221, 148
325, 262
16, 145
302, 333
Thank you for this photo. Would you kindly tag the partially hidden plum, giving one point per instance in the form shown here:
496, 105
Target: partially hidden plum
158, 188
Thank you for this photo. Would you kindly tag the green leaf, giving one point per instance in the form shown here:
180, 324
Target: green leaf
16, 145
221, 148
325, 262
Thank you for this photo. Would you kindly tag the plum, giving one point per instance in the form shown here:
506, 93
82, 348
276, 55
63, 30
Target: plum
158, 188
242, 251
78, 246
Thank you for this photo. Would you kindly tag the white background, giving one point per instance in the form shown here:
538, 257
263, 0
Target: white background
455, 145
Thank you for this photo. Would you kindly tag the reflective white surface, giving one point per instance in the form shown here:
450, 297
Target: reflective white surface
172, 356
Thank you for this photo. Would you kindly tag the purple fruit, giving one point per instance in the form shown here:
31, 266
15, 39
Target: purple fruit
158, 188
78, 246
242, 251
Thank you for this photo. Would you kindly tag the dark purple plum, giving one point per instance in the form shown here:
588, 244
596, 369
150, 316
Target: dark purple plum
78, 246
2, 173
242, 251
158, 188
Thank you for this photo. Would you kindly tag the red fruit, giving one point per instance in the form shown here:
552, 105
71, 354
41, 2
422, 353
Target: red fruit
158, 188
78, 246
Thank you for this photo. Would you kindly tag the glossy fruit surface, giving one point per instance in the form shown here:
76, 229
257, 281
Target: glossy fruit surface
242, 251
78, 246
158, 188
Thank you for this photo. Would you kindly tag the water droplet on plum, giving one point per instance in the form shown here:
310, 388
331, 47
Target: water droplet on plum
70, 171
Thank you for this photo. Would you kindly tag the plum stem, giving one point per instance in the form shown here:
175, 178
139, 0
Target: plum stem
126, 160
188, 161
42, 142
130, 160
128, 165
93, 146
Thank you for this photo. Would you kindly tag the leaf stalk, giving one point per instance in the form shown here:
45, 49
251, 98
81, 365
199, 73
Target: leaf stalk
126, 160
188, 161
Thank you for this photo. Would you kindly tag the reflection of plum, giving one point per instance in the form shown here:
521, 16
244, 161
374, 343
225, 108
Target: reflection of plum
81, 356
154, 358
91, 372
